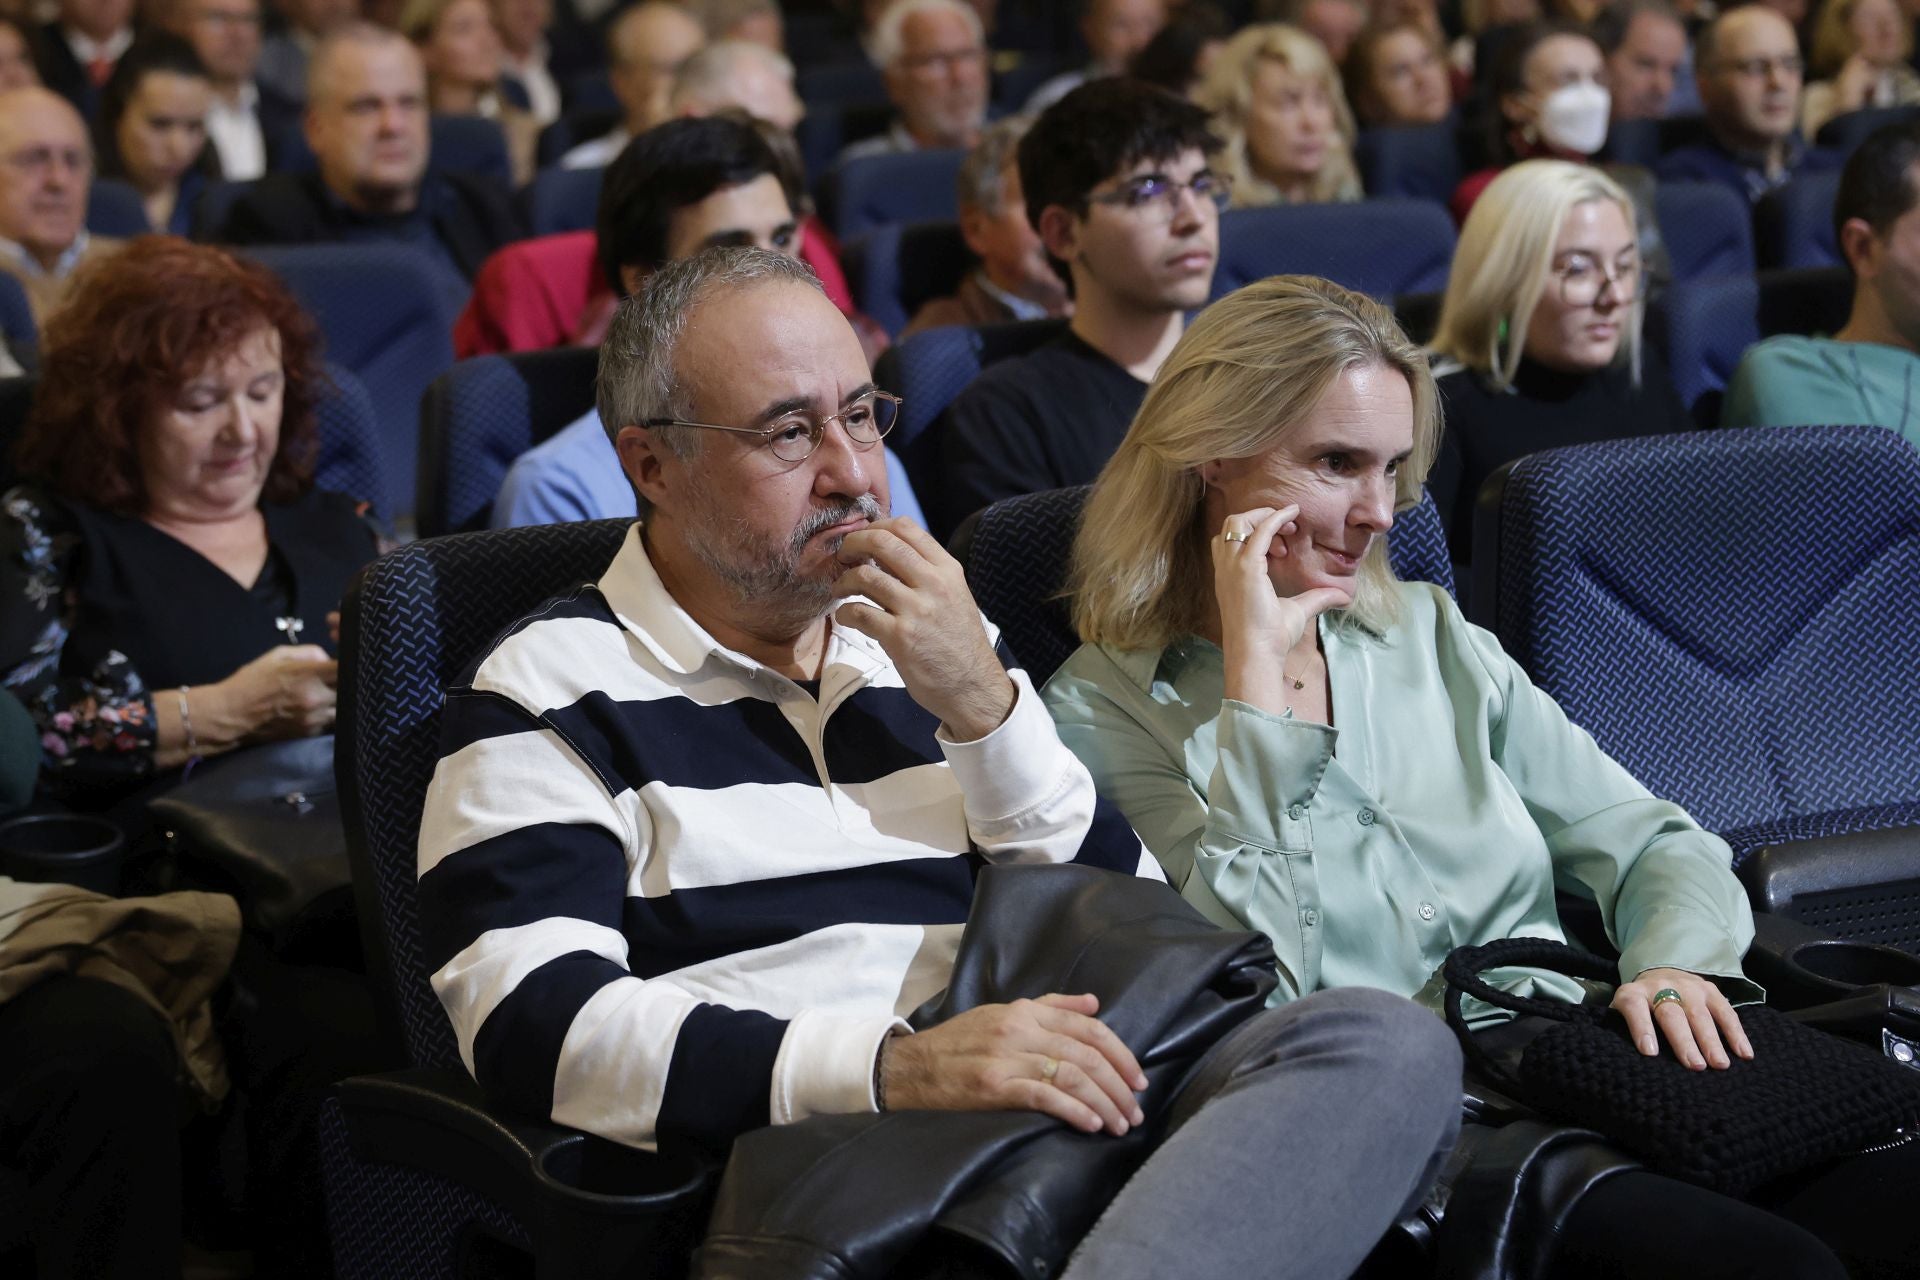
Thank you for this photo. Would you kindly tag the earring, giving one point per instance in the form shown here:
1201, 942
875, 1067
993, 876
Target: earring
1500, 334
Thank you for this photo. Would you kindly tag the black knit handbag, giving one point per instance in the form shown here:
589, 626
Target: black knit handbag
1803, 1098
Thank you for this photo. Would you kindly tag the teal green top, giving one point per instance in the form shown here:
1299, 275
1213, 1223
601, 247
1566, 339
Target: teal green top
1444, 810
1815, 382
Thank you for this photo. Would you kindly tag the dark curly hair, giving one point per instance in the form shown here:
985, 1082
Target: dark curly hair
138, 323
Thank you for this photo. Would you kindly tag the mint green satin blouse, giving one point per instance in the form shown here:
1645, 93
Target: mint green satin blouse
1445, 808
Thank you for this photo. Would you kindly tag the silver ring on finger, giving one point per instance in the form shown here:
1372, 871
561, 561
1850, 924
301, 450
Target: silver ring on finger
1665, 995
1049, 1068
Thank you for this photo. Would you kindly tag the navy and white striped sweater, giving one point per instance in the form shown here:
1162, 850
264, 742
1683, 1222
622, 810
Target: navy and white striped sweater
668, 894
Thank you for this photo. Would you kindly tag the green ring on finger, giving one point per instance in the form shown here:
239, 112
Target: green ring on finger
1663, 995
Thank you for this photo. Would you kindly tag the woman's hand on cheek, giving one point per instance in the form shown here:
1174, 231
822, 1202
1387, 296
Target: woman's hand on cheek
1258, 626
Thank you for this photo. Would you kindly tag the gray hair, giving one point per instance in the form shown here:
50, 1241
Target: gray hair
884, 45
705, 77
639, 379
982, 181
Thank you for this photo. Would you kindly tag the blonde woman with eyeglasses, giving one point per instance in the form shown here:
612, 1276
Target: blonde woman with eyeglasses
1539, 341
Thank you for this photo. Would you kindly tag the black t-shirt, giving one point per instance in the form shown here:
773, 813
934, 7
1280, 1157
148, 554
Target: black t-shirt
1484, 428
1045, 420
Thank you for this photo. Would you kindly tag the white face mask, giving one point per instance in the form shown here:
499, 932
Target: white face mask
1574, 117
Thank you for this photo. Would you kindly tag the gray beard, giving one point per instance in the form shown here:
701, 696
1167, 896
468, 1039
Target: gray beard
768, 577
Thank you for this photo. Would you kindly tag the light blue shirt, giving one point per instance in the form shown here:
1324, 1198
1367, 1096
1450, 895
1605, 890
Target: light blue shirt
576, 475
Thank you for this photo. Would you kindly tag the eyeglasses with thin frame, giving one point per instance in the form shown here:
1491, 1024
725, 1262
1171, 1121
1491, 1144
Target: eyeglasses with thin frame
1582, 279
1158, 191
794, 436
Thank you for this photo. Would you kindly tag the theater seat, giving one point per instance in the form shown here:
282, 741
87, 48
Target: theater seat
1707, 229
1710, 325
350, 460
17, 329
1809, 301
895, 269
423, 1181
1794, 223
1420, 162
1017, 550
1728, 613
480, 415
559, 200
1380, 247
115, 209
1845, 132
387, 313
915, 186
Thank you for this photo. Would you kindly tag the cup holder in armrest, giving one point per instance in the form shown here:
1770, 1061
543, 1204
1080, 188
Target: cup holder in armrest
1841, 966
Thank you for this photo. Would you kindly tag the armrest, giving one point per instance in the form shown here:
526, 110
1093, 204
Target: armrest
1858, 990
592, 1207
1778, 875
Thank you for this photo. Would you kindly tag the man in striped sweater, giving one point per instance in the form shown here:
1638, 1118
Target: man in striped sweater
702, 832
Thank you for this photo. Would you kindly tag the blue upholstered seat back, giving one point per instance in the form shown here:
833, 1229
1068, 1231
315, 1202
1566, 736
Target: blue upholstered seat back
1381, 247
1731, 614
414, 620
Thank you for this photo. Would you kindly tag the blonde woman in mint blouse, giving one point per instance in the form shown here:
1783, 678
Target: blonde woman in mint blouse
1339, 760
1335, 758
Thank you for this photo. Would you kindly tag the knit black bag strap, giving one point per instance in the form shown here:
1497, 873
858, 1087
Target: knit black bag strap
1462, 972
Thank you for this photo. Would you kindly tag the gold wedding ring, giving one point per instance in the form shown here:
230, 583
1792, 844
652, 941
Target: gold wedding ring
1233, 535
1049, 1068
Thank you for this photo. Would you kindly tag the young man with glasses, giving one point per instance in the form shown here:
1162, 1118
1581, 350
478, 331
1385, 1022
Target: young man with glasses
46, 169
1749, 72
1119, 183
704, 833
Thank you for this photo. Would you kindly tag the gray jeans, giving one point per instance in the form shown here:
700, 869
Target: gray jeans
1304, 1135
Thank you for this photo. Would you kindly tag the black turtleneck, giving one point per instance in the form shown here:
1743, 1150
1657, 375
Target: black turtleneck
1486, 428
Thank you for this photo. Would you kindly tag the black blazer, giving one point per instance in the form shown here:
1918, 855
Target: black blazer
61, 72
471, 216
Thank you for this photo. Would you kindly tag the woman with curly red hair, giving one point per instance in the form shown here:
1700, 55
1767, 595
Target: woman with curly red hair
169, 567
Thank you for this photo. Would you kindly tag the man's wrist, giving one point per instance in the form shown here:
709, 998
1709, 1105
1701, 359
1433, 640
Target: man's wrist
980, 712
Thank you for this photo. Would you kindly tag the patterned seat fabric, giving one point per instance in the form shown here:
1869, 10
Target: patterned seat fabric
1795, 223
1017, 564
1420, 162
560, 200
913, 186
114, 208
413, 621
1730, 615
387, 312
483, 413
17, 328
1383, 247
349, 459
894, 269
1708, 230
1710, 324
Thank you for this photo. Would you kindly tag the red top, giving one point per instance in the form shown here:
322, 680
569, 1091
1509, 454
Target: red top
548, 292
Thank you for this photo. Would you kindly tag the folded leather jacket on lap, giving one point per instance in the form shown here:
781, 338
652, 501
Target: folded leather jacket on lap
914, 1192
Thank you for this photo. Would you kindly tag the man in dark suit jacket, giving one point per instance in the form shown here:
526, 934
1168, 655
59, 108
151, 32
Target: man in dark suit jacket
249, 123
366, 122
75, 52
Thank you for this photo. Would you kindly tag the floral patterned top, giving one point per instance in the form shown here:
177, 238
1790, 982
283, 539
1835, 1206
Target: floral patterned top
98, 610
